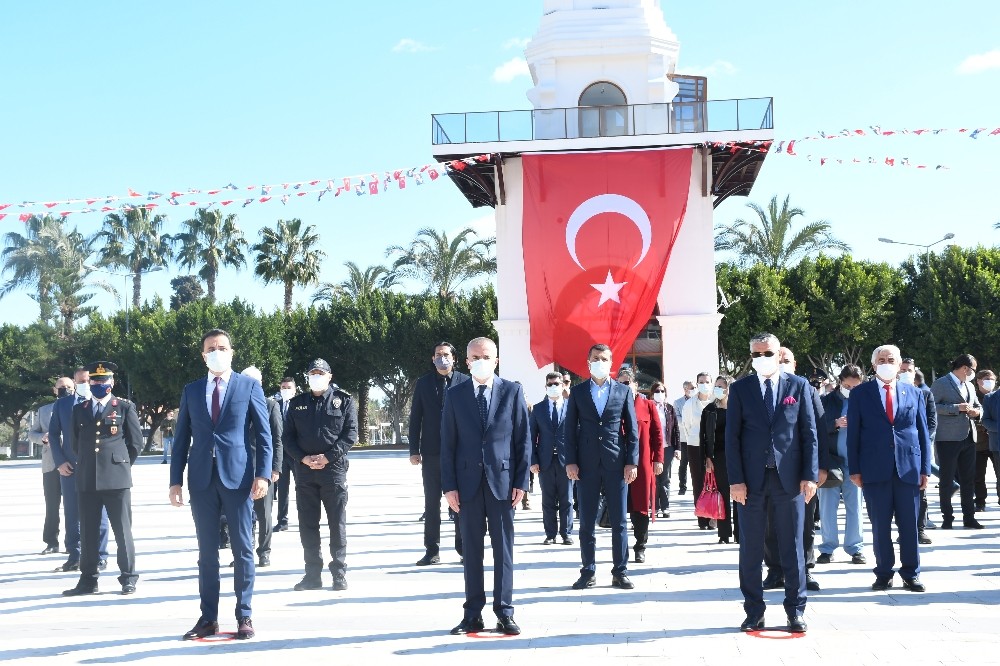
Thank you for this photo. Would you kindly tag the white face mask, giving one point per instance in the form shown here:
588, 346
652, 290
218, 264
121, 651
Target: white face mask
482, 369
287, 394
787, 367
219, 361
600, 369
704, 388
765, 365
988, 384
553, 391
846, 392
906, 377
718, 393
886, 371
319, 383
83, 390
659, 398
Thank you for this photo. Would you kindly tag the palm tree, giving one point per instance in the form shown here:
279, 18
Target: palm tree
442, 264
358, 283
69, 280
135, 242
288, 254
769, 240
211, 241
30, 259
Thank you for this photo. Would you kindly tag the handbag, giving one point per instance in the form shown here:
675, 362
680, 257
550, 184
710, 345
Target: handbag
710, 503
834, 478
603, 516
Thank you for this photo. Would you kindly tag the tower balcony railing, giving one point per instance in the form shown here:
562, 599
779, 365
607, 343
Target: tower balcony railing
603, 121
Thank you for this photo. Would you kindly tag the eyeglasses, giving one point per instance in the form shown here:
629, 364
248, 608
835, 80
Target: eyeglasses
767, 353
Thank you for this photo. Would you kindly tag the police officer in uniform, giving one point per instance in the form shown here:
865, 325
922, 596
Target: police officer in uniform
104, 476
321, 426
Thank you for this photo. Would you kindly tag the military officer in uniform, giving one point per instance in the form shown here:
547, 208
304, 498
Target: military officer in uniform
104, 476
321, 426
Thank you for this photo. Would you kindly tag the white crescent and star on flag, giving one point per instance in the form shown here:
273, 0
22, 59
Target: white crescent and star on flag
608, 203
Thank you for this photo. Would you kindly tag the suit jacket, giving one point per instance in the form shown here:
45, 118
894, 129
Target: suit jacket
195, 436
62, 442
671, 426
823, 443
952, 425
548, 442
792, 433
425, 413
609, 439
276, 421
502, 452
931, 412
833, 406
106, 447
38, 431
991, 419
875, 447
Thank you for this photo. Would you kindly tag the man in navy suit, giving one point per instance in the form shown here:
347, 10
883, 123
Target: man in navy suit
485, 454
772, 456
548, 461
602, 451
425, 445
226, 473
889, 454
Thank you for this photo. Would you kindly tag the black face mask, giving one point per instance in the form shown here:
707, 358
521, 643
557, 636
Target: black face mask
62, 391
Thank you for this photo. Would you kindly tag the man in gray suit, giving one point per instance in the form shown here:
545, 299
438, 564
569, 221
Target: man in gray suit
39, 436
958, 411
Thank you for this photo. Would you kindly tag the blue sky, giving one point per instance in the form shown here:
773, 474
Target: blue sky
101, 97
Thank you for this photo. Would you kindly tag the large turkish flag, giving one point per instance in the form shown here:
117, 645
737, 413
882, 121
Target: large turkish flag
597, 236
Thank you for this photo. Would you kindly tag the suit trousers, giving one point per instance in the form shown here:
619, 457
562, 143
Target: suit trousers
640, 530
208, 506
772, 551
663, 480
281, 491
71, 513
557, 500
118, 504
958, 460
615, 490
52, 491
682, 469
887, 500
697, 465
262, 510
724, 526
430, 473
983, 460
789, 514
318, 490
476, 511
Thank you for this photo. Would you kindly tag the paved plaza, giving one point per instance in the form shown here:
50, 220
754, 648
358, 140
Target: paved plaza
686, 607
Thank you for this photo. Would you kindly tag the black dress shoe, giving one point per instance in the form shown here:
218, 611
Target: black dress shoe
506, 625
339, 583
49, 550
567, 541
584, 581
80, 590
308, 583
244, 629
469, 626
128, 588
264, 561
858, 558
946, 523
882, 584
913, 584
280, 527
811, 583
202, 629
549, 541
428, 560
980, 507
774, 581
753, 623
640, 556
102, 565
796, 624
824, 558
69, 565
622, 582
972, 524
923, 538
682, 491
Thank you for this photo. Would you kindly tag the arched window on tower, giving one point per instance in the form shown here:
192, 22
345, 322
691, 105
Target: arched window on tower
610, 118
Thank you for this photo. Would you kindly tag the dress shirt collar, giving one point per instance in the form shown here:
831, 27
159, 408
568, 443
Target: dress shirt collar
774, 380
488, 384
226, 376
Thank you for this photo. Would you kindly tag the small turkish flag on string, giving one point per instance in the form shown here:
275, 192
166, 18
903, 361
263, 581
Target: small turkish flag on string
597, 235
24, 217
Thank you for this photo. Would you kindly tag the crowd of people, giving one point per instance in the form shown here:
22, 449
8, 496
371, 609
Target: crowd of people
783, 452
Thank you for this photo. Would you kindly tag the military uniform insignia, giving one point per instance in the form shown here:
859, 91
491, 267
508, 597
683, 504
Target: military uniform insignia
336, 403
114, 430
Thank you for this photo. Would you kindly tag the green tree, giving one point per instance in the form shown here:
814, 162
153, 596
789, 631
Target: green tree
28, 368
358, 283
187, 289
288, 254
441, 264
211, 242
30, 258
770, 239
136, 243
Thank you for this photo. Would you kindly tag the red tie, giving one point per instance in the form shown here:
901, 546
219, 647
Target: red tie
216, 406
888, 401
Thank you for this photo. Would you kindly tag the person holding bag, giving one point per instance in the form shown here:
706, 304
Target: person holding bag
713, 449
835, 421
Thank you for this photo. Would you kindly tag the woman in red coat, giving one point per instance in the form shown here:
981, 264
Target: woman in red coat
642, 491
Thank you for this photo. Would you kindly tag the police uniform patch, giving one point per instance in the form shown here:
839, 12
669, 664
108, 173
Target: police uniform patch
336, 403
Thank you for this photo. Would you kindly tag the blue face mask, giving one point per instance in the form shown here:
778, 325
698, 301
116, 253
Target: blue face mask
100, 391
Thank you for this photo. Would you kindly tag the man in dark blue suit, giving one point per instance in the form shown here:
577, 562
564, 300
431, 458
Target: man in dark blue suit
62, 443
772, 456
226, 473
485, 454
425, 445
889, 454
548, 461
602, 452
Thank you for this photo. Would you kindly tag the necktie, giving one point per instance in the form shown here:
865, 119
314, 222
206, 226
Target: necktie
98, 410
888, 401
483, 408
555, 416
216, 403
442, 386
769, 399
